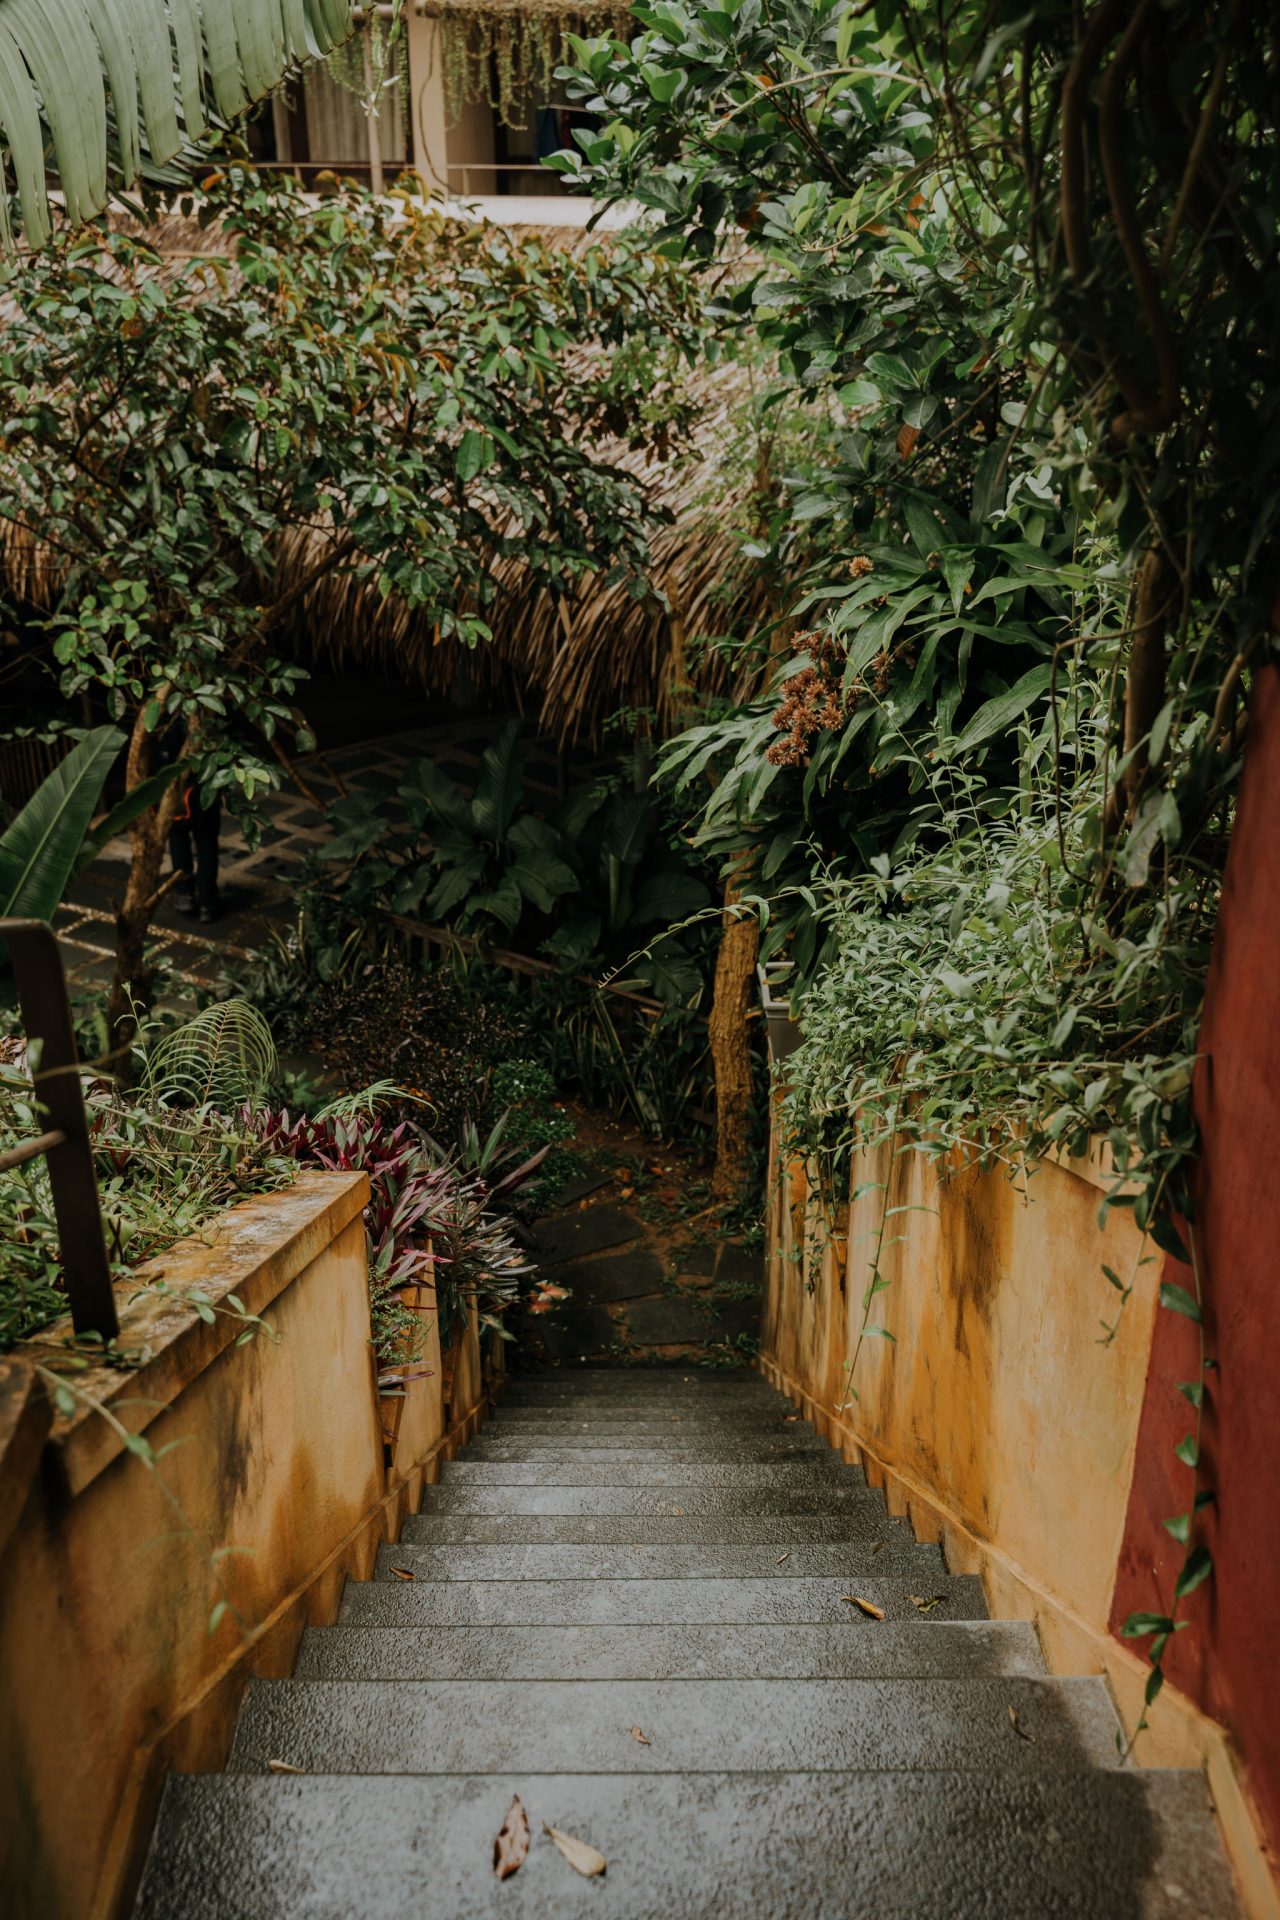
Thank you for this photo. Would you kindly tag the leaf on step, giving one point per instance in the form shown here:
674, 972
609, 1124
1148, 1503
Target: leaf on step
641, 1739
869, 1607
679, 1510
781, 1557
582, 1858
789, 1419
926, 1602
511, 1842
404, 1573
1019, 1729
282, 1766
879, 1547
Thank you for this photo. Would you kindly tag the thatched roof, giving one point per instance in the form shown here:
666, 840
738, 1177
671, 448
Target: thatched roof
570, 664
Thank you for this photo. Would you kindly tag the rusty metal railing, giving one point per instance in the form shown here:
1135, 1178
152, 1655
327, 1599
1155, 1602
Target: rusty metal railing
46, 1015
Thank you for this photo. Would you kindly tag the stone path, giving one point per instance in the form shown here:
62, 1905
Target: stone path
643, 1290
661, 1612
257, 883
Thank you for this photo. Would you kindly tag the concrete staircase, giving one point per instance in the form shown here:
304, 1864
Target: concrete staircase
643, 1602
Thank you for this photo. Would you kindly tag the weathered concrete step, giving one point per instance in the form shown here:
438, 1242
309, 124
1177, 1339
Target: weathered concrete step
880, 1558
541, 1603
649, 1443
896, 1651
853, 1525
579, 1471
676, 1498
1086, 1846
635, 1414
641, 1384
693, 1726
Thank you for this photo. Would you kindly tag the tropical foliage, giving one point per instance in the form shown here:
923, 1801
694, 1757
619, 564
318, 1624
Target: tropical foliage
115, 91
194, 453
589, 881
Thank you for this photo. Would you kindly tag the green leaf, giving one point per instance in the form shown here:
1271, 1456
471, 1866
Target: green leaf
475, 453
1193, 1391
38, 852
146, 794
1178, 1300
1188, 1451
1139, 1624
429, 793
500, 784
542, 877
1000, 713
1196, 1570
1179, 1527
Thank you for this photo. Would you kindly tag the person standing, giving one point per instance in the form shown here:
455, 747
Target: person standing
193, 849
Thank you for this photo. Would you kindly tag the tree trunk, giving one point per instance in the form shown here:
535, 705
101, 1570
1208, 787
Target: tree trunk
730, 1037
1144, 686
149, 837
1145, 680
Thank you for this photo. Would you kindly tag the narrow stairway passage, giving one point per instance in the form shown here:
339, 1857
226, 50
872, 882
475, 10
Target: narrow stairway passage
661, 1611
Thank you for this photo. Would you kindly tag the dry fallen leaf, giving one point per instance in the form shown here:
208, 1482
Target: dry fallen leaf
869, 1607
926, 1602
282, 1766
679, 1510
789, 1419
781, 1557
582, 1858
511, 1842
641, 1739
879, 1547
404, 1573
1020, 1730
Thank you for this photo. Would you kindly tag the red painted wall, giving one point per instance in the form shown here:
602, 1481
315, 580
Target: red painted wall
1229, 1661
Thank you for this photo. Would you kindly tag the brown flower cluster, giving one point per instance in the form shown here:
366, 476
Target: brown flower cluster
812, 702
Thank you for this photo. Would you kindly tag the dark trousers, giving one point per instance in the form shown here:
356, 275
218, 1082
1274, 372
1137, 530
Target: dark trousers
193, 849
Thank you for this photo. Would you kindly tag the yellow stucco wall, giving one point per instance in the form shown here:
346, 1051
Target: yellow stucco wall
999, 1418
108, 1674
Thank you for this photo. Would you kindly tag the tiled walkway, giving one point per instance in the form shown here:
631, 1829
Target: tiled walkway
257, 884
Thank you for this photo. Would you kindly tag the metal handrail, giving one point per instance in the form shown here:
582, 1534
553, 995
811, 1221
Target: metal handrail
46, 1015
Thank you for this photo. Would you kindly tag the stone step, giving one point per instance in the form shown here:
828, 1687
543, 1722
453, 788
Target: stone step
667, 1394
675, 1498
901, 1651
874, 1559
652, 1443
541, 1603
952, 1846
731, 1417
1008, 1725
865, 1523
580, 1471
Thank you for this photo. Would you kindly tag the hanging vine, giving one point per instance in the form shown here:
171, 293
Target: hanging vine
504, 53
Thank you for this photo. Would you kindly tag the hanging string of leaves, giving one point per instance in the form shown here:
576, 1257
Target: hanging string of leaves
505, 52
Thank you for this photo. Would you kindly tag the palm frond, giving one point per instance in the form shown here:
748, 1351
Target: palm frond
220, 1059
92, 92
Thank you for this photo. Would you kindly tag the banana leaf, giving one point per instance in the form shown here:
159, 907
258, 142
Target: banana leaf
38, 852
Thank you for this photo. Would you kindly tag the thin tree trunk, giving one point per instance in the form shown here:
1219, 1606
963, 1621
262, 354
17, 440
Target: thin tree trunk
1144, 686
149, 836
730, 1035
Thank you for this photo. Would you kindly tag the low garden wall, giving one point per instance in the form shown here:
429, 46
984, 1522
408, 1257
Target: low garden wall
285, 1473
996, 1417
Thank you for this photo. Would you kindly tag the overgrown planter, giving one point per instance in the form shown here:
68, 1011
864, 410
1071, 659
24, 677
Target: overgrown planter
782, 1032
